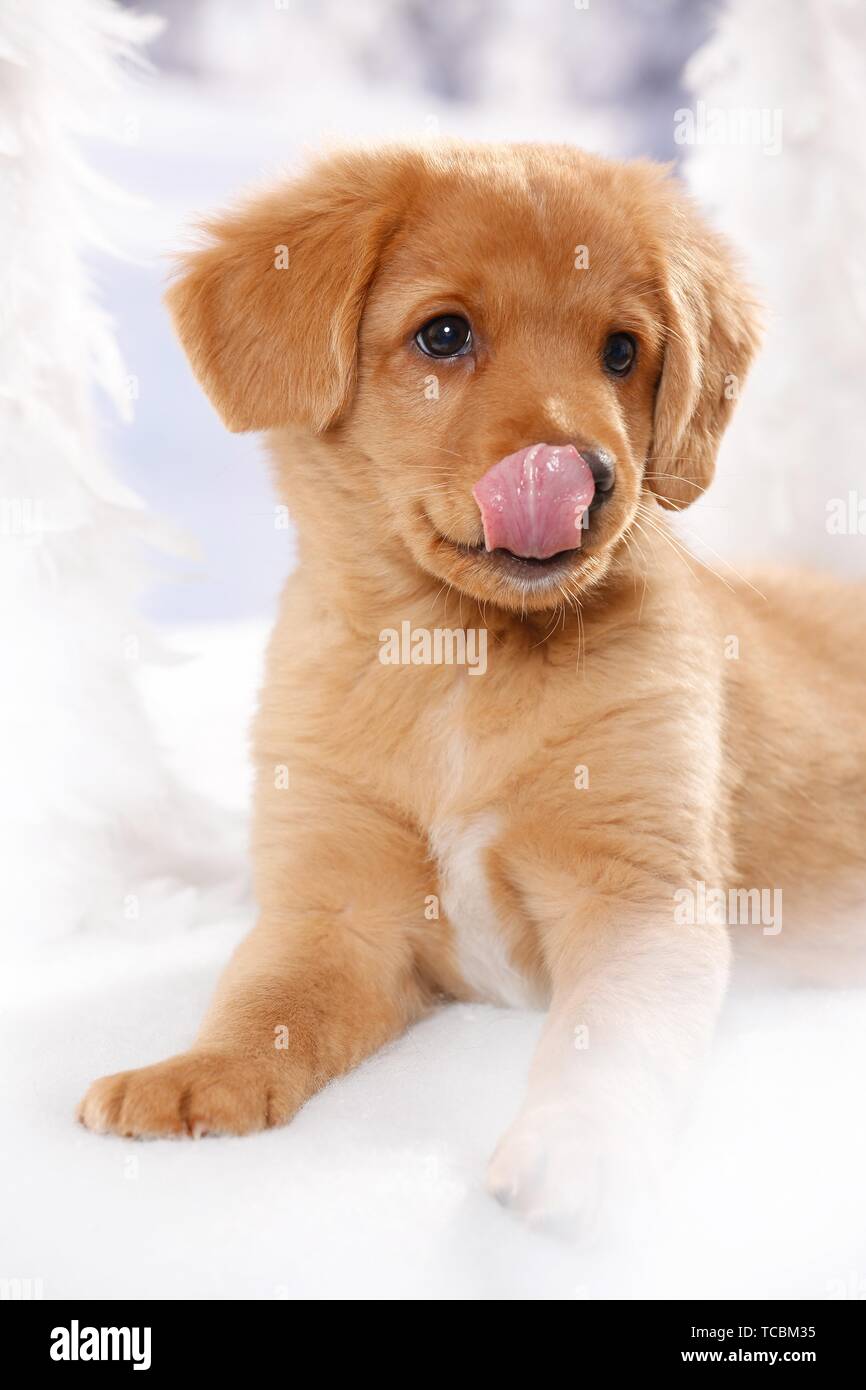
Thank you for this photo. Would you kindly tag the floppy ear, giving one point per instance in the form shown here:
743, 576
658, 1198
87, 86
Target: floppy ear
712, 333
268, 309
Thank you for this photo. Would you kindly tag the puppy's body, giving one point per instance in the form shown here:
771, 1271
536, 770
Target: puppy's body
642, 730
704, 760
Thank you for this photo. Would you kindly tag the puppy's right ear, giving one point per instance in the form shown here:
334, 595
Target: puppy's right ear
268, 309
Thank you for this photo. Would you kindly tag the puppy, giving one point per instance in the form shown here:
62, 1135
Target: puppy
513, 744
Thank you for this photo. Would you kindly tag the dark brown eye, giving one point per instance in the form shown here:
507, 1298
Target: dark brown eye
620, 352
447, 336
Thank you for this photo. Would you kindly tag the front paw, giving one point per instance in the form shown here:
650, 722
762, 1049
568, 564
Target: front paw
193, 1094
572, 1171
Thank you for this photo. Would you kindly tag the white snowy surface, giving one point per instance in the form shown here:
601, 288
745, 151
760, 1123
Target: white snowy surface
375, 1190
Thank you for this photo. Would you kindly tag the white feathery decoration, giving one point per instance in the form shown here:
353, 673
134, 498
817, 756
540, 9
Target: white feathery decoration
93, 829
778, 160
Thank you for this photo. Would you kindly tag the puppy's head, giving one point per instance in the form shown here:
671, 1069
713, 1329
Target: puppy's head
502, 349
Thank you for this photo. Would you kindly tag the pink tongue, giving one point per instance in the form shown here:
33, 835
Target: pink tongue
532, 502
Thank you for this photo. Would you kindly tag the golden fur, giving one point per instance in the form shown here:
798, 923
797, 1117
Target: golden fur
746, 772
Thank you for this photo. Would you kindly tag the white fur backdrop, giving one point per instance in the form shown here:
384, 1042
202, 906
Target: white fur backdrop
123, 742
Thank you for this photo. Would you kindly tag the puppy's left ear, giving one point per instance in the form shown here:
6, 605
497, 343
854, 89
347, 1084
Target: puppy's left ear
712, 333
268, 309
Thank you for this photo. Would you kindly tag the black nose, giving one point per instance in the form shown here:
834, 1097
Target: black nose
602, 465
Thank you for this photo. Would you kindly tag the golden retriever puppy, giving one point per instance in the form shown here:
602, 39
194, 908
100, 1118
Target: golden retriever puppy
513, 744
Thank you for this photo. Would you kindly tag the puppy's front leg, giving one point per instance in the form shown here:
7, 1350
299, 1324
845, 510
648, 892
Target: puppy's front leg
634, 1003
326, 977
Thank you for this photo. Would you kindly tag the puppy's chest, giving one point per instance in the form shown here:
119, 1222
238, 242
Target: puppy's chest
483, 937
462, 835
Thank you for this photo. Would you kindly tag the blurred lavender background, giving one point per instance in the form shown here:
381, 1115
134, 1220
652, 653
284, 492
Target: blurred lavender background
241, 92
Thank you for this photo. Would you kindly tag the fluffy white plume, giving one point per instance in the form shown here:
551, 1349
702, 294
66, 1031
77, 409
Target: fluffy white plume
92, 827
774, 138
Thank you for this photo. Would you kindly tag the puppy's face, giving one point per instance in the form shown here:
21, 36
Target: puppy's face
513, 345
487, 331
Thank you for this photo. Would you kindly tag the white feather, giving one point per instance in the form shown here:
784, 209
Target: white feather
93, 828
798, 438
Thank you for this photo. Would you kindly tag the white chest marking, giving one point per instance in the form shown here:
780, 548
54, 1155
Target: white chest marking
459, 846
